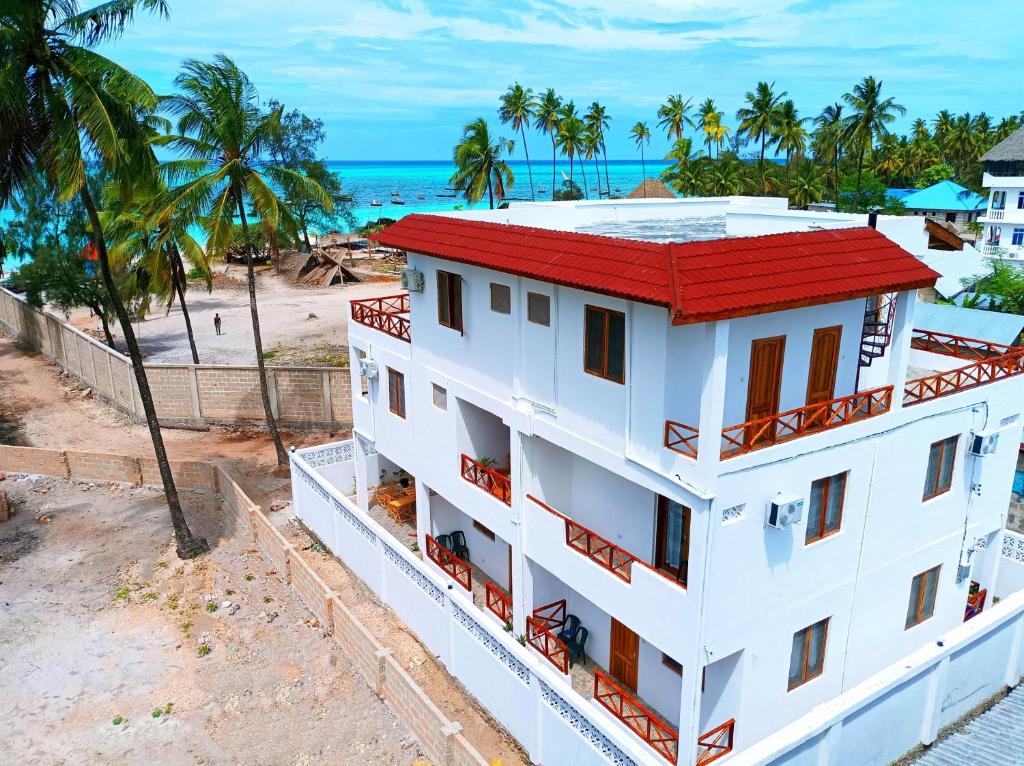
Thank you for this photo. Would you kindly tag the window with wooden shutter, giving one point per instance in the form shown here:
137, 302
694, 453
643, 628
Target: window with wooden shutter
604, 343
449, 300
396, 392
939, 477
825, 508
923, 589
807, 658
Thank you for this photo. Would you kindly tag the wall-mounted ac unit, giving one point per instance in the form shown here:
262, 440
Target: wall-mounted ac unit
984, 442
784, 511
412, 280
368, 368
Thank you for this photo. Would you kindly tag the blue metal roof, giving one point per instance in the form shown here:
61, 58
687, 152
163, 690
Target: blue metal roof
994, 738
945, 195
992, 326
897, 193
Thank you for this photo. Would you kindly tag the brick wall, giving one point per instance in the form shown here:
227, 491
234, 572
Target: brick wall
98, 466
187, 395
49, 462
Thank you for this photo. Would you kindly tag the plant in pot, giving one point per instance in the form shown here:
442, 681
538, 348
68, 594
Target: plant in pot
403, 478
487, 462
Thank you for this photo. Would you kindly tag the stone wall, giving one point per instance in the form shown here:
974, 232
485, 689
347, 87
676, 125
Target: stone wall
186, 395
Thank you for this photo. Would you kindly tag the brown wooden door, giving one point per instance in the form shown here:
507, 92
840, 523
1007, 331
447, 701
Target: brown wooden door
624, 662
821, 373
763, 385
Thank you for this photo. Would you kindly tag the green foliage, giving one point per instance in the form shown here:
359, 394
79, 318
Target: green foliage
118, 720
479, 164
873, 194
212, 607
933, 174
1000, 289
203, 650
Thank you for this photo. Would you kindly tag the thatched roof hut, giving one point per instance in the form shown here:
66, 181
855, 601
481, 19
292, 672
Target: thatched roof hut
651, 189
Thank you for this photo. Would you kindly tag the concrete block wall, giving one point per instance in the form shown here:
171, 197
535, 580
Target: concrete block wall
184, 395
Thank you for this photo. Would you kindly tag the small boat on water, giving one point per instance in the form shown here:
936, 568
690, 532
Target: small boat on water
395, 193
421, 196
375, 203
397, 201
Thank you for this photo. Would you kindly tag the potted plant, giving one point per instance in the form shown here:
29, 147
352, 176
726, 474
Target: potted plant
403, 478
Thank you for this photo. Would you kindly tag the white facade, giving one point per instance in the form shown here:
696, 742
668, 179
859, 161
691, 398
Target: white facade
1003, 233
589, 452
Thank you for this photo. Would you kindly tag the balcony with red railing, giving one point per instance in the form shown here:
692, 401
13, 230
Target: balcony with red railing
958, 346
975, 601
498, 602
681, 438
716, 743
810, 419
451, 564
541, 634
494, 482
389, 315
636, 716
947, 382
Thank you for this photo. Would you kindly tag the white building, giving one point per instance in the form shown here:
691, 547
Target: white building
734, 461
1004, 177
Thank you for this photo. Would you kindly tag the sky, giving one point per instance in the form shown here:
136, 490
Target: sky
397, 79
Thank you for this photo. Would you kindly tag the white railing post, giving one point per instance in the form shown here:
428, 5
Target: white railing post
931, 715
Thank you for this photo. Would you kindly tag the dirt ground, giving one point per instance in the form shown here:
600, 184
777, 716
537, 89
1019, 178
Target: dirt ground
43, 409
285, 321
116, 652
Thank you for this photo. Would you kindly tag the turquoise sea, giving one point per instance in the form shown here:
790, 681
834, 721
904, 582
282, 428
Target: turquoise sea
376, 180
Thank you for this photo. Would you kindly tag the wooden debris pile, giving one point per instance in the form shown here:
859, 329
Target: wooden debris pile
323, 269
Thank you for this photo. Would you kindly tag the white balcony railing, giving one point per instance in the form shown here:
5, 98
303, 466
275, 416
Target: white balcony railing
996, 214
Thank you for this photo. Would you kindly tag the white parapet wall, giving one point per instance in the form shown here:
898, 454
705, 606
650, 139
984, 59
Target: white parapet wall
518, 687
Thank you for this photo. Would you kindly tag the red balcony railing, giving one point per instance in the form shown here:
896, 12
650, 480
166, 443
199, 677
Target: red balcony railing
714, 744
636, 716
551, 616
543, 639
681, 438
498, 602
387, 314
601, 551
975, 601
456, 568
963, 378
755, 434
958, 346
489, 480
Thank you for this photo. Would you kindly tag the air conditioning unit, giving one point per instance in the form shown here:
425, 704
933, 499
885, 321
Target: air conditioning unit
784, 511
412, 280
368, 368
984, 442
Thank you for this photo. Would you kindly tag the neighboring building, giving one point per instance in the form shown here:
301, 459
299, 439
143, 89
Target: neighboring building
994, 326
946, 201
651, 189
734, 462
1004, 176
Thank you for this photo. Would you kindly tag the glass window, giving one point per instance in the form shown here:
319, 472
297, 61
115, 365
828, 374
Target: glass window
922, 597
538, 308
807, 658
1018, 236
939, 476
604, 345
364, 382
501, 298
671, 664
998, 200
1020, 201
449, 300
673, 544
440, 397
825, 513
396, 392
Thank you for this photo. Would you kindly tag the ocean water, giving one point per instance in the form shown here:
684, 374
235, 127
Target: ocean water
367, 181
376, 180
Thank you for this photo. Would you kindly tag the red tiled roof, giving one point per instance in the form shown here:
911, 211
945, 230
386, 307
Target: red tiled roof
696, 281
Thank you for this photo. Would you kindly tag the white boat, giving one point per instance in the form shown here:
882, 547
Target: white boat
421, 196
397, 201
375, 203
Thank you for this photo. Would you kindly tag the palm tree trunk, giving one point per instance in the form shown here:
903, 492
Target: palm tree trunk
597, 175
554, 161
188, 546
570, 175
604, 152
490, 192
860, 165
178, 275
764, 181
282, 456
99, 311
529, 170
583, 170
643, 168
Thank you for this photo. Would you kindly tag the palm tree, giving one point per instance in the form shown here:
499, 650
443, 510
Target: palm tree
641, 135
546, 117
759, 120
518, 107
221, 132
598, 122
807, 186
479, 166
791, 133
828, 141
570, 139
674, 114
592, 148
63, 104
871, 116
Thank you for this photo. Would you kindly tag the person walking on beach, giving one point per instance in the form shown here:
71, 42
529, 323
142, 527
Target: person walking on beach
216, 323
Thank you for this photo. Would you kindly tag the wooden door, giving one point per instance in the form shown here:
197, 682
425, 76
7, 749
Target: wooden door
624, 662
821, 372
763, 386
